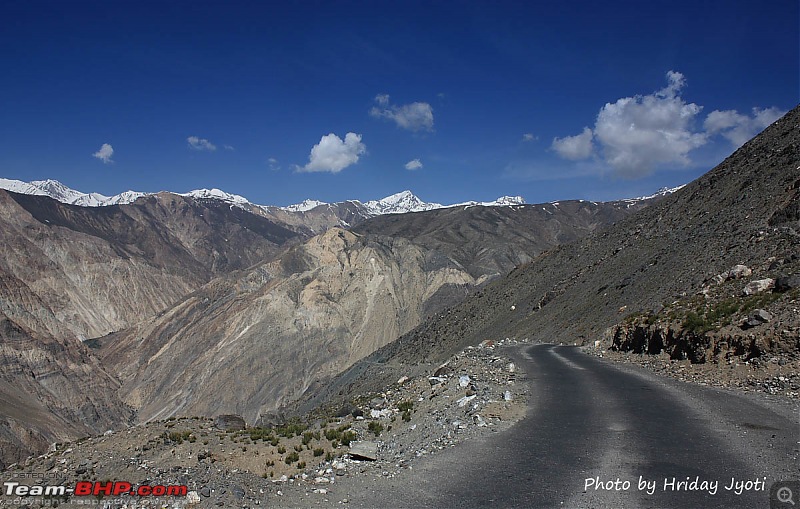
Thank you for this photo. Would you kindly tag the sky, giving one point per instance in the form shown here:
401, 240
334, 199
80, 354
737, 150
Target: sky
453, 100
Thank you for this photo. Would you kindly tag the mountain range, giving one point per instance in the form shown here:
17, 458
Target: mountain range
143, 308
398, 203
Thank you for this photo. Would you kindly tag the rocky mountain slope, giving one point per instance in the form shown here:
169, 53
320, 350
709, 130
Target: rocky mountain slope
296, 322
69, 273
100, 270
52, 389
660, 264
490, 241
274, 330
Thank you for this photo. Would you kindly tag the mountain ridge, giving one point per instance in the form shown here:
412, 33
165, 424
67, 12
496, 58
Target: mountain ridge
398, 203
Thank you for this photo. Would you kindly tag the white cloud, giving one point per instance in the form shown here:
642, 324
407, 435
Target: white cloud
417, 116
333, 155
575, 147
228, 147
639, 133
414, 164
529, 137
196, 143
105, 153
738, 128
274, 165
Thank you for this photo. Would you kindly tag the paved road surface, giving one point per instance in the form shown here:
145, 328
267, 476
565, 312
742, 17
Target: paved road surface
591, 419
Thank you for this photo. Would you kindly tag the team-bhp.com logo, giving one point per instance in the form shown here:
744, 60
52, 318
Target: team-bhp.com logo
95, 488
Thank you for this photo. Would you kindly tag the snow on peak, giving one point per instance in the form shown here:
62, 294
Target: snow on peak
58, 191
304, 206
664, 191
503, 201
399, 203
216, 194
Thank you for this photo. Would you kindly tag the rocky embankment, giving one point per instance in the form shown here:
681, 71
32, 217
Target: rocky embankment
319, 462
741, 330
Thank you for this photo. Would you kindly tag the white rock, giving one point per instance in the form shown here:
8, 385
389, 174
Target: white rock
758, 286
738, 271
466, 399
192, 498
507, 396
464, 380
511, 367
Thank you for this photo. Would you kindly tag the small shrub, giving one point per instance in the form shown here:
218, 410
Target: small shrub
348, 436
375, 427
291, 458
319, 451
281, 450
405, 406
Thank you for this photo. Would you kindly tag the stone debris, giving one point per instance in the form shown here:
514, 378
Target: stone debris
477, 392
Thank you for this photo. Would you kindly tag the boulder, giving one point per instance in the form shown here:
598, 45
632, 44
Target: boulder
272, 420
230, 422
758, 317
758, 286
786, 283
739, 271
364, 450
761, 315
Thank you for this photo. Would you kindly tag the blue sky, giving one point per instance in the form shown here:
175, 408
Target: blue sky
338, 100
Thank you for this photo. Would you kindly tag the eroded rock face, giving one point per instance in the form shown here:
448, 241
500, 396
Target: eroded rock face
99, 270
278, 328
70, 273
52, 390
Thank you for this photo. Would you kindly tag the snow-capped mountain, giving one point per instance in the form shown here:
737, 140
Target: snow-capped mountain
398, 203
58, 191
503, 201
406, 201
216, 194
304, 206
664, 191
